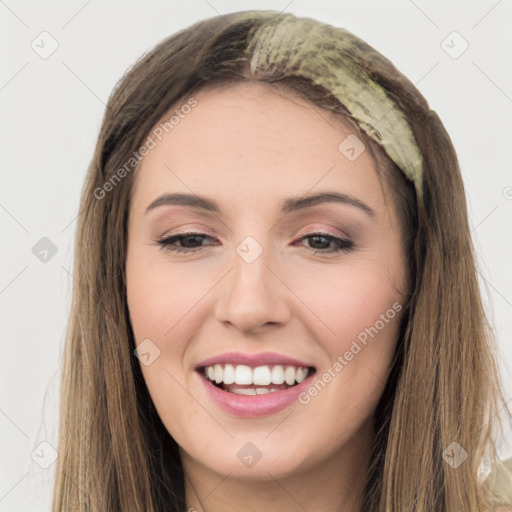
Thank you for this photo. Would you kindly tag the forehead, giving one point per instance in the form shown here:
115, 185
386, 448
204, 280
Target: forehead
253, 142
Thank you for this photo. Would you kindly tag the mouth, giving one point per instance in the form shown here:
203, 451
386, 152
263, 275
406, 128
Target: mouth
249, 381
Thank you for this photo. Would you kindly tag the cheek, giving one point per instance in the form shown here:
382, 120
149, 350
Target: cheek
158, 300
357, 315
348, 299
158, 303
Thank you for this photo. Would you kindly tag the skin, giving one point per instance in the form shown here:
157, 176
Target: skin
249, 147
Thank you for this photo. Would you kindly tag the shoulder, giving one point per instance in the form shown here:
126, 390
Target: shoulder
500, 483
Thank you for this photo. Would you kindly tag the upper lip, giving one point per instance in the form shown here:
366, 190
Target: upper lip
261, 359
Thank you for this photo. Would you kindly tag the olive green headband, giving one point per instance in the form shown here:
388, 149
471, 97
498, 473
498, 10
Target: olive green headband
305, 47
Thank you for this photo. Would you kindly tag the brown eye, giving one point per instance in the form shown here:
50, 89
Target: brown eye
319, 242
191, 242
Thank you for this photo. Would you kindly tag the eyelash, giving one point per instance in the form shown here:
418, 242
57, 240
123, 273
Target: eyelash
343, 244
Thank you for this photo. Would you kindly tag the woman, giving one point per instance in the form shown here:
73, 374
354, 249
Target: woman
317, 352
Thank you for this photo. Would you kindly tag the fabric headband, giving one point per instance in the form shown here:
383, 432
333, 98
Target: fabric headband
304, 47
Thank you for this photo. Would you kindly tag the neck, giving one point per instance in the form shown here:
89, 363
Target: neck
335, 484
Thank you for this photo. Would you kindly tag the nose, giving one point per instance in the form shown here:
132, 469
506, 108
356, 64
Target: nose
253, 295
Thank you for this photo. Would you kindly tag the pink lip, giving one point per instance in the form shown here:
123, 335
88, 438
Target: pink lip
253, 360
251, 406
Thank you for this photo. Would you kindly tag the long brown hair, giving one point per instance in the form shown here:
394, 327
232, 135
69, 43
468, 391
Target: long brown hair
114, 452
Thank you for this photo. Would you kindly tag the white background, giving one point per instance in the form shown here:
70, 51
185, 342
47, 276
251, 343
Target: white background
50, 115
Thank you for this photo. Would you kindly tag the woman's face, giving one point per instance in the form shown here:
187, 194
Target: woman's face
254, 296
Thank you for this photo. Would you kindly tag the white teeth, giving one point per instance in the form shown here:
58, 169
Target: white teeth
277, 374
252, 391
247, 391
243, 374
218, 373
289, 375
301, 374
260, 376
229, 374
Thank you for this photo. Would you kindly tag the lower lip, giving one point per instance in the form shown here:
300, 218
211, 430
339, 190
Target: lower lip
252, 406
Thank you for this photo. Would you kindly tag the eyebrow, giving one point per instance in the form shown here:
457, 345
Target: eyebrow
292, 204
